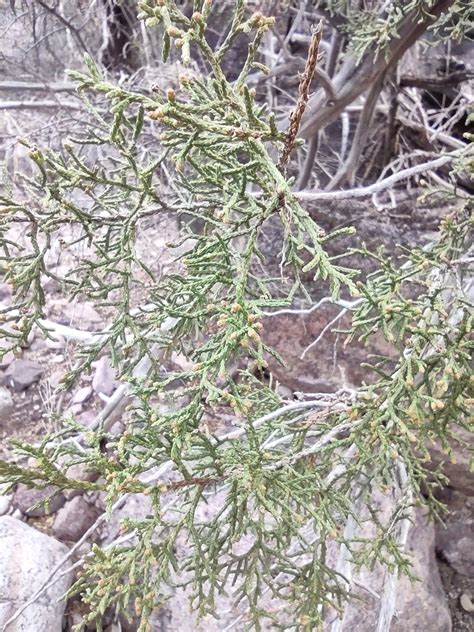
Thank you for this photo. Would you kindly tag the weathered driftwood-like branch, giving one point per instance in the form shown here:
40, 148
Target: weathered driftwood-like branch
437, 84
39, 105
376, 187
389, 594
75, 31
28, 86
349, 168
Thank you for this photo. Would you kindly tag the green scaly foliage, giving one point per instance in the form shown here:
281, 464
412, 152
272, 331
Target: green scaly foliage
286, 479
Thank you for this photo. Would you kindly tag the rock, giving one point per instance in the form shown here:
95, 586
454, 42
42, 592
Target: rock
422, 606
455, 542
82, 395
55, 342
455, 538
284, 392
73, 314
181, 362
161, 620
27, 558
419, 606
466, 602
117, 429
55, 378
5, 293
136, 507
84, 549
73, 520
458, 471
74, 618
86, 316
98, 498
8, 356
86, 418
4, 504
25, 499
6, 404
104, 377
312, 371
22, 373
73, 410
80, 472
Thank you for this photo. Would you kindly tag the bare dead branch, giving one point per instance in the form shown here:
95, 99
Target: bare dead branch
438, 84
309, 162
333, 56
349, 168
66, 23
31, 86
376, 187
39, 105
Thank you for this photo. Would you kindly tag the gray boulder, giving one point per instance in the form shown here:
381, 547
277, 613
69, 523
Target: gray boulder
82, 395
458, 470
26, 500
4, 504
27, 557
73, 520
455, 534
22, 373
420, 606
6, 404
103, 380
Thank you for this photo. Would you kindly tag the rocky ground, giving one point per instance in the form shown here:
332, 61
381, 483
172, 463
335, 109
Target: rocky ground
33, 539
